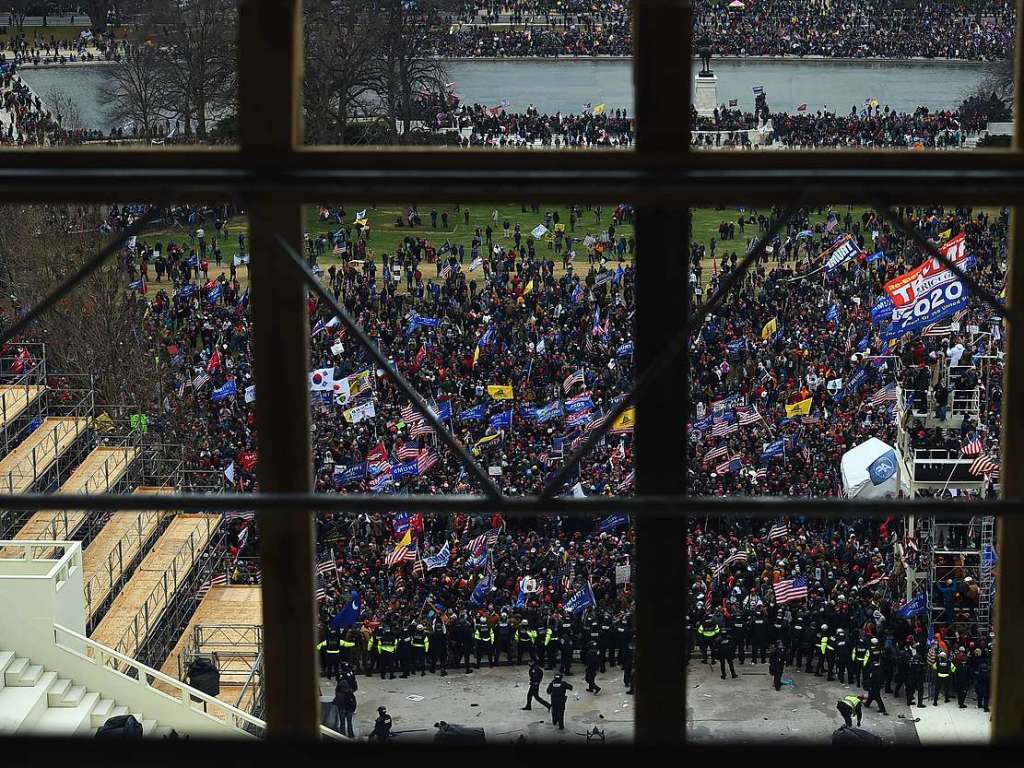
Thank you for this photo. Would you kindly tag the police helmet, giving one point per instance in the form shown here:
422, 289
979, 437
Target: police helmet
524, 623
381, 710
874, 641
419, 627
824, 627
942, 655
841, 633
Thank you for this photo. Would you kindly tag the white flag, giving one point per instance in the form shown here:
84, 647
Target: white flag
321, 380
250, 394
360, 412
539, 231
229, 473
361, 214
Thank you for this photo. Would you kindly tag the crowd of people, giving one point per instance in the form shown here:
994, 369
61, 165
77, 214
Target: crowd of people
38, 48
831, 28
496, 127
520, 357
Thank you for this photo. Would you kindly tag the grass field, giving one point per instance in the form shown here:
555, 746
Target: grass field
43, 33
385, 236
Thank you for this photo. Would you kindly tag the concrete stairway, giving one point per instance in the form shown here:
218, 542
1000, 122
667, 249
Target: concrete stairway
34, 700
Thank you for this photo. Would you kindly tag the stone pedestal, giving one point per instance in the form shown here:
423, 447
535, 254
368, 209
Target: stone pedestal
705, 94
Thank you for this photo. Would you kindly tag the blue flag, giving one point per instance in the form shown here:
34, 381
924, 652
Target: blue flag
349, 615
863, 343
406, 469
138, 285
443, 411
547, 412
187, 291
481, 590
917, 604
879, 254
214, 293
612, 522
626, 350
832, 315
773, 449
578, 404
617, 277
352, 474
224, 392
501, 420
440, 560
476, 413
583, 599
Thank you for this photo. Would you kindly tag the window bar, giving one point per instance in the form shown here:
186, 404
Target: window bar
1008, 694
661, 72
270, 121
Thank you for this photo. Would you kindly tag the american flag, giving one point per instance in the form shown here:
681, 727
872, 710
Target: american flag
749, 415
877, 580
379, 465
974, 446
579, 377
708, 598
445, 272
410, 415
727, 465
937, 330
327, 567
985, 465
408, 452
724, 428
884, 395
716, 452
181, 388
810, 419
760, 473
417, 567
627, 481
200, 381
789, 590
321, 594
247, 516
425, 461
778, 531
420, 428
217, 580
739, 557
400, 555
596, 423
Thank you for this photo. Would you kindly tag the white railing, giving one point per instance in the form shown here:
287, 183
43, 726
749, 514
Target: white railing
125, 668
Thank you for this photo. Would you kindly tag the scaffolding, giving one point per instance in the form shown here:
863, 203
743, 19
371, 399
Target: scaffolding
236, 650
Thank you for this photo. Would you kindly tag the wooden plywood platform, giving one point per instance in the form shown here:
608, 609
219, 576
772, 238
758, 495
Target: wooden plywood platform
235, 606
148, 575
115, 547
15, 399
99, 470
18, 471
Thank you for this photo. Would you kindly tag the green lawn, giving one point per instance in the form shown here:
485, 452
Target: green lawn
385, 236
43, 33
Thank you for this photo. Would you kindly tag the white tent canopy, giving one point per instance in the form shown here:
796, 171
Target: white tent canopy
872, 470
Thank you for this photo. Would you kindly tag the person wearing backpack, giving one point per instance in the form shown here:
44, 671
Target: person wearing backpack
345, 701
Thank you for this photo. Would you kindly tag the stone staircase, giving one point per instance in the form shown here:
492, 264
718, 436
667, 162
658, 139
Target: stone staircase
36, 700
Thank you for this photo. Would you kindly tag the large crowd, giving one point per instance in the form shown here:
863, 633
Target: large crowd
831, 28
520, 357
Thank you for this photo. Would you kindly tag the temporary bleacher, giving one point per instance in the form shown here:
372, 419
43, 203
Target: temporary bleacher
141, 603
14, 399
115, 548
98, 473
37, 453
227, 626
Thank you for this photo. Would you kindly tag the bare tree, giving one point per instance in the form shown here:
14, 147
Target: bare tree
19, 9
64, 109
341, 40
100, 329
98, 10
135, 90
197, 42
404, 70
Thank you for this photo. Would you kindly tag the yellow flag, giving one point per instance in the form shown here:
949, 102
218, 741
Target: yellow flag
625, 422
769, 329
485, 439
599, 109
500, 391
406, 540
528, 289
946, 235
476, 355
360, 222
799, 409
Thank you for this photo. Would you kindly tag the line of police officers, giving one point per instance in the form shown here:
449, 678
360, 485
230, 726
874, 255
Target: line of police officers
850, 657
409, 648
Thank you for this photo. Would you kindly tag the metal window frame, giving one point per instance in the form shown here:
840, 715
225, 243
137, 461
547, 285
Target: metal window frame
274, 175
